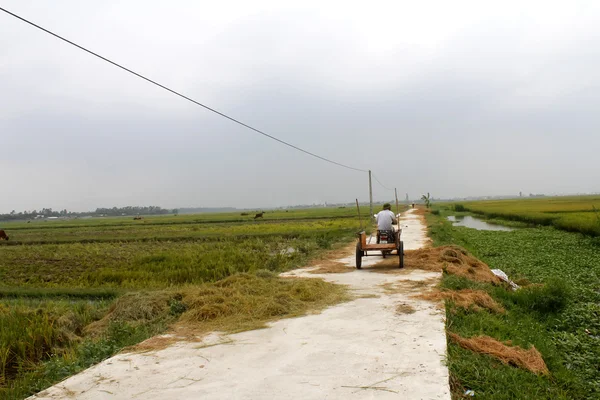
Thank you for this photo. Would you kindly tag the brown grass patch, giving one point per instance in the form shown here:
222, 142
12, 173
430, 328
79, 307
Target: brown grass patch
456, 387
468, 299
331, 267
405, 308
238, 303
137, 308
522, 282
244, 301
451, 259
391, 288
421, 210
511, 355
155, 343
408, 285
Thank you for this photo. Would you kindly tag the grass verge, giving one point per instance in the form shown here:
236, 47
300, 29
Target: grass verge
556, 312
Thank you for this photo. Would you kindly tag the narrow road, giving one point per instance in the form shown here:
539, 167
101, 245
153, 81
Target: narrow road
384, 345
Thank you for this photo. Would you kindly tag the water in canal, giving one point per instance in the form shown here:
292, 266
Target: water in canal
476, 223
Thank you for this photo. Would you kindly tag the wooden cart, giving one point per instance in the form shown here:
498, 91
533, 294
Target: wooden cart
363, 248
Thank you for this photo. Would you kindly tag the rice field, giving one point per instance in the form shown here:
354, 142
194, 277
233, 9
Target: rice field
572, 213
59, 278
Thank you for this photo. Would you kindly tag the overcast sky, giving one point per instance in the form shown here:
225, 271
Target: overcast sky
455, 98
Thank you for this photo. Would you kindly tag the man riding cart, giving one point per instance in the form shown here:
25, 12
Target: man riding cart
388, 239
385, 219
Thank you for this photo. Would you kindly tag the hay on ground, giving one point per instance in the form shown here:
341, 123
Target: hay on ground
244, 301
452, 259
405, 308
156, 343
511, 355
331, 267
136, 308
237, 303
409, 285
468, 299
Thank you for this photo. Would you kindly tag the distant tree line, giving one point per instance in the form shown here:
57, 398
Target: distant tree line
151, 210
197, 210
107, 212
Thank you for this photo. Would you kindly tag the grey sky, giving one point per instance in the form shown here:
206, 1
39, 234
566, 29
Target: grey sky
453, 98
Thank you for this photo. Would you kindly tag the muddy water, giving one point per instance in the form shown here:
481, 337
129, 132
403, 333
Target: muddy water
476, 223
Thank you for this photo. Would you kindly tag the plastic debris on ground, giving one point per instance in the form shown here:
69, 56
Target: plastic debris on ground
500, 274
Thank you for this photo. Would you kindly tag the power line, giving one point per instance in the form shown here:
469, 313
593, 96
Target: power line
179, 94
382, 185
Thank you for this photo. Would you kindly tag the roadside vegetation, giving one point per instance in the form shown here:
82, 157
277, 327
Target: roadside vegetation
73, 293
556, 310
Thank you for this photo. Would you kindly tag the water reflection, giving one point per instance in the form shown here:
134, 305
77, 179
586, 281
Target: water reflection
476, 223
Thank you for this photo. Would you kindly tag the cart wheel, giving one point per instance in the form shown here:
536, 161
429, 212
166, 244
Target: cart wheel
401, 254
359, 256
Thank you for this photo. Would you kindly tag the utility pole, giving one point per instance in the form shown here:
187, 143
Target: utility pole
370, 197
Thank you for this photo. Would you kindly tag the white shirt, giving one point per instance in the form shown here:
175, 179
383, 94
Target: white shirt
384, 220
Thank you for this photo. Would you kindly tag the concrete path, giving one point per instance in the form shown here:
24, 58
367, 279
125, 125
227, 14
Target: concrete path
385, 345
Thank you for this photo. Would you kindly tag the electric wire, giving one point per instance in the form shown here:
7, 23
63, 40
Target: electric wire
382, 185
180, 95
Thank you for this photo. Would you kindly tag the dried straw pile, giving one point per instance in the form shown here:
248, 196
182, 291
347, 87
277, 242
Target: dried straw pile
452, 259
468, 299
511, 355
